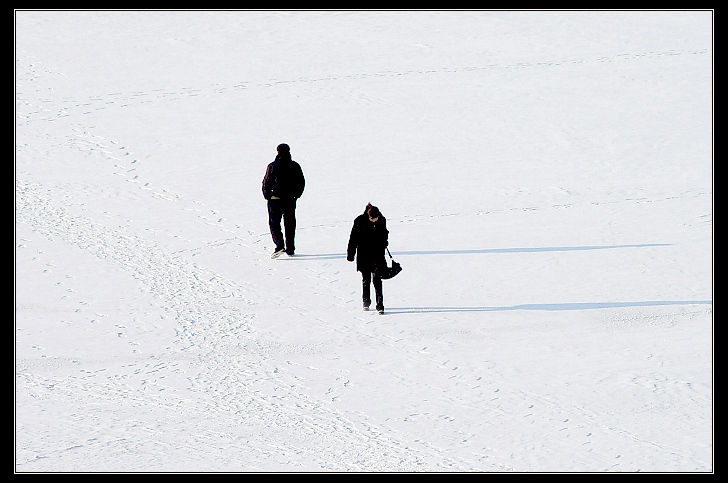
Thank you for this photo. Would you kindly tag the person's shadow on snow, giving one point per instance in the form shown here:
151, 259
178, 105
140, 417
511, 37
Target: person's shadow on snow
333, 256
546, 307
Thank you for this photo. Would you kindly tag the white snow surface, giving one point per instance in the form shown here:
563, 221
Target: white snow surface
547, 180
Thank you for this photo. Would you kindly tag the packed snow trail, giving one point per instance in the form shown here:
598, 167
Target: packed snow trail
231, 375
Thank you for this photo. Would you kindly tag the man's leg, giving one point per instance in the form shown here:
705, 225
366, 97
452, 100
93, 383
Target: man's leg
289, 221
274, 222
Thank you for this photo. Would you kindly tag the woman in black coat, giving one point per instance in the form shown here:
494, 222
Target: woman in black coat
368, 240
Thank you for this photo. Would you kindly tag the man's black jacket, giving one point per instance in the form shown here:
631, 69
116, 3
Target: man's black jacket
283, 179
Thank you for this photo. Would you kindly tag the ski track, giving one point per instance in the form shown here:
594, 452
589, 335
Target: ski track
126, 163
32, 108
243, 381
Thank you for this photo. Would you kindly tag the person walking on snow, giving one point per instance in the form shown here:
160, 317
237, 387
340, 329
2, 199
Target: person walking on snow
283, 184
368, 241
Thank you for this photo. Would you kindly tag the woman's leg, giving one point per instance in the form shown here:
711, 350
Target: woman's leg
366, 280
378, 292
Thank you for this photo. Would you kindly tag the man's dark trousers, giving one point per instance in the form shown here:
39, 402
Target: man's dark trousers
286, 209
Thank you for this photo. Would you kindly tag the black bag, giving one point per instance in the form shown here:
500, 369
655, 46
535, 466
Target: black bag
389, 272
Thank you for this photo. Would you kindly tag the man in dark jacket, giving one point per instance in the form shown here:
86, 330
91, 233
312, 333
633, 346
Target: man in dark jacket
283, 184
368, 240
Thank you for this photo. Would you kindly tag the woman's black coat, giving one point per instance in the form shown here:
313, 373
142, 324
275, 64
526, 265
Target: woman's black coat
368, 240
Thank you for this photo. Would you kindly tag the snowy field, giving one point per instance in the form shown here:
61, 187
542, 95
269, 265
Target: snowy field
547, 180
